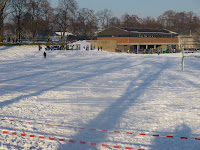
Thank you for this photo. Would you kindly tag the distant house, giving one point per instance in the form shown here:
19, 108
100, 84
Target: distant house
188, 42
57, 37
139, 39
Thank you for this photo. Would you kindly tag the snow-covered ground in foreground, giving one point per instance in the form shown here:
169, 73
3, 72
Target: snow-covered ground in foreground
98, 90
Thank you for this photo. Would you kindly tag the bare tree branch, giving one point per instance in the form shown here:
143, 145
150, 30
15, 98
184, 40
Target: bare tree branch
3, 4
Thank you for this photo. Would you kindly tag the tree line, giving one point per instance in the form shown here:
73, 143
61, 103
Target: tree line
33, 19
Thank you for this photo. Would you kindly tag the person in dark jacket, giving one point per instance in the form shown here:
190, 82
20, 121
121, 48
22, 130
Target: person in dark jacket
45, 54
40, 47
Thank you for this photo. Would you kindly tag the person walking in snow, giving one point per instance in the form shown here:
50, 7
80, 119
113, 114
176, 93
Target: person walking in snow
45, 54
39, 47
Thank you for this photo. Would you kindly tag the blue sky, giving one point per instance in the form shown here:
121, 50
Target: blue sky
142, 8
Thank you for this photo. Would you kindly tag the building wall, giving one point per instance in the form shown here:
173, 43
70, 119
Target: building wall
118, 39
145, 40
187, 42
109, 45
155, 40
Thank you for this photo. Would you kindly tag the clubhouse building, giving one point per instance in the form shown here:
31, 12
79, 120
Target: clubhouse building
135, 39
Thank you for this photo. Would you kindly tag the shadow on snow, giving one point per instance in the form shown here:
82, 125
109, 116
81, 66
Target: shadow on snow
177, 143
62, 81
7, 47
112, 115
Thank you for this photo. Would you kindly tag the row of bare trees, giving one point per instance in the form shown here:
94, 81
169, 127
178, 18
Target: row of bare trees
30, 18
37, 18
33, 19
180, 22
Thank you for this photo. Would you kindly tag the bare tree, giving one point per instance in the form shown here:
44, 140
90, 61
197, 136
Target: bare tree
87, 23
104, 17
114, 21
193, 22
131, 21
34, 11
18, 11
48, 17
74, 24
180, 22
2, 17
167, 20
150, 22
64, 14
3, 4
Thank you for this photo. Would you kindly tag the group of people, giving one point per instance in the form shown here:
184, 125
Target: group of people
62, 47
100, 48
86, 48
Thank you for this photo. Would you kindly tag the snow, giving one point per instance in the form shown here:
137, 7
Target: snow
98, 90
80, 45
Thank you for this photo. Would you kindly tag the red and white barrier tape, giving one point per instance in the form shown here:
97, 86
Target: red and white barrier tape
100, 130
64, 140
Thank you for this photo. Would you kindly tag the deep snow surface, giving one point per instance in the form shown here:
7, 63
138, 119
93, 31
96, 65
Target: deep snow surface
102, 90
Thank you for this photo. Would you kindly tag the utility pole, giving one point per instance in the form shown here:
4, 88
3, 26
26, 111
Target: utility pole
183, 60
139, 44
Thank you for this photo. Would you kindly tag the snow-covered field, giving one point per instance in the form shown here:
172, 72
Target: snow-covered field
71, 93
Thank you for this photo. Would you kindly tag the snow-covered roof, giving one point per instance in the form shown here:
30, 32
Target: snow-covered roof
79, 43
66, 33
112, 31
